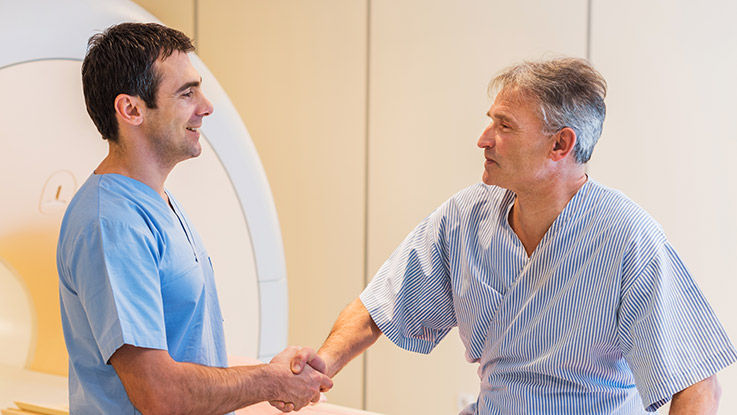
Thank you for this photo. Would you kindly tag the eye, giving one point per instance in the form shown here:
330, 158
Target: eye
188, 93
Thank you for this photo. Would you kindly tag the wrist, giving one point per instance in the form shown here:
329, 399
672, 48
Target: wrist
331, 364
271, 379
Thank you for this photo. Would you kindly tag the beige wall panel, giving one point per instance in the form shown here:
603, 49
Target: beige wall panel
296, 71
430, 65
179, 14
669, 140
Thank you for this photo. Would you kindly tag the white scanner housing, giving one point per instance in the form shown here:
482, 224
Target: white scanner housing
50, 147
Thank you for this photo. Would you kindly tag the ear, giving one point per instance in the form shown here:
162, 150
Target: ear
128, 109
564, 141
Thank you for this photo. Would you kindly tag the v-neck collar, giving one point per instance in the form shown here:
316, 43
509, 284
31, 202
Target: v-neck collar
177, 211
568, 211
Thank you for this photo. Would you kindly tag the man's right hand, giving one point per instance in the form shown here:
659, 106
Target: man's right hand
352, 333
298, 385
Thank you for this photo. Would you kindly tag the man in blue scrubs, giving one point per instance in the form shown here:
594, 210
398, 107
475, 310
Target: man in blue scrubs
140, 312
565, 292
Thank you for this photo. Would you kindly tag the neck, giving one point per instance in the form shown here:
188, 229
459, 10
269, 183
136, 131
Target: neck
536, 207
135, 162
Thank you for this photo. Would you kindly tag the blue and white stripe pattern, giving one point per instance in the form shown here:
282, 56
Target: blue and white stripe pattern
602, 318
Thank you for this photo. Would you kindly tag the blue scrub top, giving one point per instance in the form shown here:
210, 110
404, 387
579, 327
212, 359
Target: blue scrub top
132, 270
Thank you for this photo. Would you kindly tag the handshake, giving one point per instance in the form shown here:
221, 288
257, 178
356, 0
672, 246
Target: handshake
300, 376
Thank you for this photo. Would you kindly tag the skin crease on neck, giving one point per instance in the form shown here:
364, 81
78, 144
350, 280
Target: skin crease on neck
539, 168
151, 141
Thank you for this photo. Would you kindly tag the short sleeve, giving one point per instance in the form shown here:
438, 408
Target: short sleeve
410, 298
668, 333
115, 275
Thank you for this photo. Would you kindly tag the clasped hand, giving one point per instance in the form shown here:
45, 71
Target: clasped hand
302, 372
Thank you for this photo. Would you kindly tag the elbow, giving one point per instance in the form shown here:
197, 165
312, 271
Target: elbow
150, 404
157, 400
716, 394
163, 407
712, 393
151, 379
151, 410
375, 331
702, 397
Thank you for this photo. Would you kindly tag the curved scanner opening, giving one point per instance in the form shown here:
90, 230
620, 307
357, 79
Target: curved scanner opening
52, 148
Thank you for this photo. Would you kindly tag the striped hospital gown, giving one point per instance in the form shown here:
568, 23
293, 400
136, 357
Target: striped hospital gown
602, 318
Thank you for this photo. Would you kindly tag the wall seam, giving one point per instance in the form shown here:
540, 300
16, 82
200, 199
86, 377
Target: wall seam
196, 23
588, 30
366, 185
588, 49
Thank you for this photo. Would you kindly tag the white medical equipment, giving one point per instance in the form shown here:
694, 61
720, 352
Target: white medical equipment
49, 148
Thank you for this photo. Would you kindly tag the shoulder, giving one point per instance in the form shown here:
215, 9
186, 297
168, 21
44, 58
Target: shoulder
120, 195
479, 192
108, 202
638, 233
470, 204
615, 209
476, 199
468, 208
83, 211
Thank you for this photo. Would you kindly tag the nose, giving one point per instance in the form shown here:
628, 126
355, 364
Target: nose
205, 107
486, 140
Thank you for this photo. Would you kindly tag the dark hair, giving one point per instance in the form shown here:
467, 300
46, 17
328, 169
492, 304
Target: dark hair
121, 61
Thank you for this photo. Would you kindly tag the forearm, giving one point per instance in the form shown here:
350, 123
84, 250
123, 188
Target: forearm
701, 398
156, 384
353, 332
196, 389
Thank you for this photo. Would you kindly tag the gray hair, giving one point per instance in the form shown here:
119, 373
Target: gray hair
570, 93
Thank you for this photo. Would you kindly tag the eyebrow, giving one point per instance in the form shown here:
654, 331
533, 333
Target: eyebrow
189, 85
501, 117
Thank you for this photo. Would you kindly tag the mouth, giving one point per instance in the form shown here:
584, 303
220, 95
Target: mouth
193, 129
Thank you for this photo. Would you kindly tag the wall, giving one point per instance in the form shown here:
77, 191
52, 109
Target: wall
296, 72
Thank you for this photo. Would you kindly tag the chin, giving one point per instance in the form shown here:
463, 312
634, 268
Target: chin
195, 151
493, 181
188, 154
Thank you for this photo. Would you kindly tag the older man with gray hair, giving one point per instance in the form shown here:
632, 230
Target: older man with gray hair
565, 292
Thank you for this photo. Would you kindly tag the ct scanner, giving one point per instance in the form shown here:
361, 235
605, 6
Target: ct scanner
49, 147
